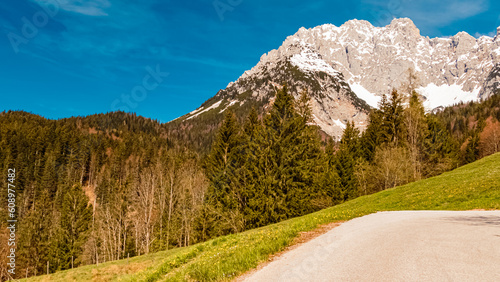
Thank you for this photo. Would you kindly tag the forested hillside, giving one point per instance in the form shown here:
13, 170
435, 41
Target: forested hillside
95, 189
108, 186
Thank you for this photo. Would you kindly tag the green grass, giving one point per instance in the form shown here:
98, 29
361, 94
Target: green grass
474, 186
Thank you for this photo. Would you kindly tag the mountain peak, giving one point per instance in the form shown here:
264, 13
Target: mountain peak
402, 21
356, 22
405, 26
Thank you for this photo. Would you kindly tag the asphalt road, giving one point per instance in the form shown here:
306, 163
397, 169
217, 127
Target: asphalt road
397, 246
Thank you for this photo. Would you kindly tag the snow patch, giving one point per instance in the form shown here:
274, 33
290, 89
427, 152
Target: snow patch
338, 123
230, 104
214, 106
195, 111
446, 95
370, 98
311, 61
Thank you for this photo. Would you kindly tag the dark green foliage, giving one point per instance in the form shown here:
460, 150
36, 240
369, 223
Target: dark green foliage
76, 216
471, 152
223, 197
292, 156
247, 173
439, 148
466, 122
393, 119
345, 162
385, 126
372, 137
277, 165
330, 190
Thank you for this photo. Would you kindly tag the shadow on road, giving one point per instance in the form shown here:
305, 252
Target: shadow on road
476, 220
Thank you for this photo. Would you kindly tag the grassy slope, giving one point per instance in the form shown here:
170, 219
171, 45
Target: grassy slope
474, 186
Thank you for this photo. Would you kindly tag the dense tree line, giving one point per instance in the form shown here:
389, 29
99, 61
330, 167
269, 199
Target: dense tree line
475, 126
402, 143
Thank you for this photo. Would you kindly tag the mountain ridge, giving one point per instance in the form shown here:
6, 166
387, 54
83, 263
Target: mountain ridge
347, 69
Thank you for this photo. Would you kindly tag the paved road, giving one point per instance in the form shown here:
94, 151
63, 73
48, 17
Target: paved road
397, 246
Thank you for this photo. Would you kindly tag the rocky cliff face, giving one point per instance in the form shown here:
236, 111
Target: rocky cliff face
492, 83
378, 58
347, 69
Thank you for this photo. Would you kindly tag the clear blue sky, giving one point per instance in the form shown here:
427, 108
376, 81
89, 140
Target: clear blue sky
162, 59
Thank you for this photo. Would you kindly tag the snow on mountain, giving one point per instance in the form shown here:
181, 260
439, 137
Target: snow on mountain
378, 58
445, 95
347, 69
201, 110
370, 98
311, 61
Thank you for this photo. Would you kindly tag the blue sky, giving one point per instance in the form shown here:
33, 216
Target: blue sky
162, 59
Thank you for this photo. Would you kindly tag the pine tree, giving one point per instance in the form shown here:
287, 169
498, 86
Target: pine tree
76, 215
373, 136
471, 153
275, 166
246, 177
330, 192
290, 162
308, 156
440, 150
346, 158
222, 197
393, 119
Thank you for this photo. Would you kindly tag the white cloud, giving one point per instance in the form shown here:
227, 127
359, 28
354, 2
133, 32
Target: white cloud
428, 15
88, 8
490, 34
446, 12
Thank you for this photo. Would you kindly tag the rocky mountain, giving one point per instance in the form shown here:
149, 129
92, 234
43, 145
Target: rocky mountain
347, 69
492, 82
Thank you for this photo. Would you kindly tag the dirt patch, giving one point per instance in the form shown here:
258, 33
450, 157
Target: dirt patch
303, 237
90, 192
309, 235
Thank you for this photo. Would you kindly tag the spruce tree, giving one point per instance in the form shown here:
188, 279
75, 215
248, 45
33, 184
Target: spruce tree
76, 215
330, 192
290, 164
309, 157
471, 152
393, 119
222, 197
275, 165
246, 177
440, 150
373, 136
346, 158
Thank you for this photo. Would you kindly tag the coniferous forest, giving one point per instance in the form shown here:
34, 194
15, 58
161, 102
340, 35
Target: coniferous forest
109, 186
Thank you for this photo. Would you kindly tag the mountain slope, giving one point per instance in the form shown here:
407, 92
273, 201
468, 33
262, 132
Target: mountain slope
347, 69
474, 186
